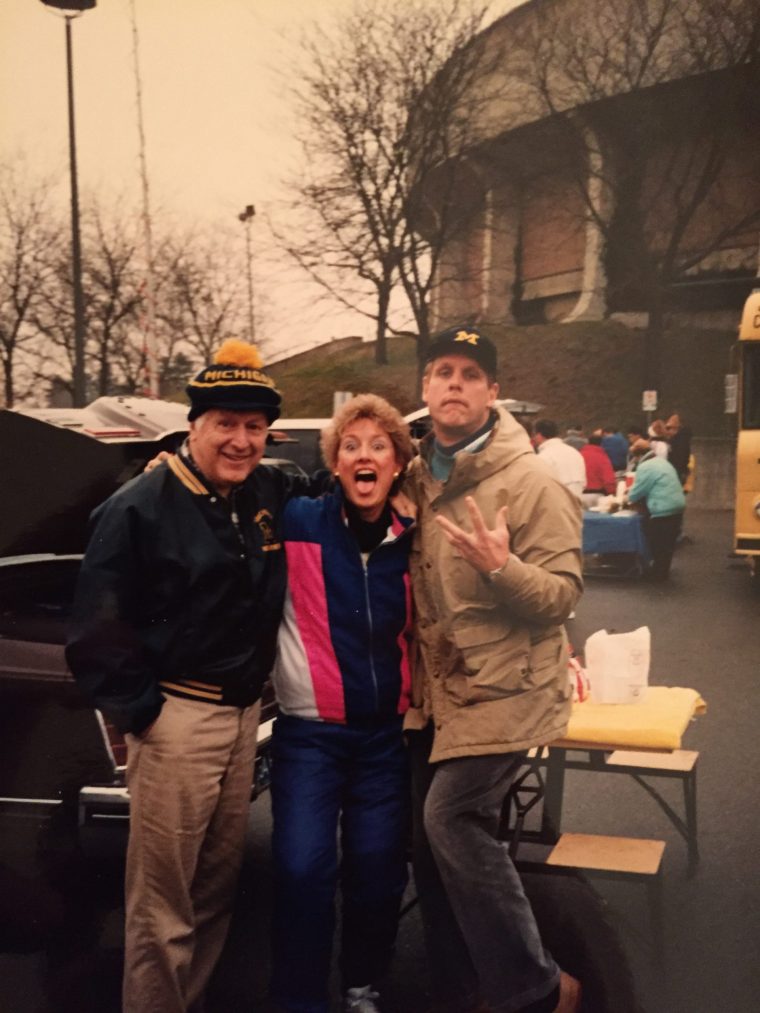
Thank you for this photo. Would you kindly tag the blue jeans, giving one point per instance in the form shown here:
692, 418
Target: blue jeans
321, 774
480, 933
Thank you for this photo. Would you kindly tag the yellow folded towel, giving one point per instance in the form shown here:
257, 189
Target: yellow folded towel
656, 722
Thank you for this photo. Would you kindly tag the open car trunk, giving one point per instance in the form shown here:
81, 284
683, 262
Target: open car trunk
58, 464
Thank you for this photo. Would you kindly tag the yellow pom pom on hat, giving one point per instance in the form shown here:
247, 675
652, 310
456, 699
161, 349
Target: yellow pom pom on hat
235, 381
235, 352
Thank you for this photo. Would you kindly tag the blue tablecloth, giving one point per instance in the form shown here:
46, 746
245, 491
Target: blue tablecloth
608, 533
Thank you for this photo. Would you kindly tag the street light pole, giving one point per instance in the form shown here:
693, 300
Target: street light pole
68, 7
151, 357
246, 217
80, 381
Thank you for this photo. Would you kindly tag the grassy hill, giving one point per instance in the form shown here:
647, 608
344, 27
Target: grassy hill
585, 372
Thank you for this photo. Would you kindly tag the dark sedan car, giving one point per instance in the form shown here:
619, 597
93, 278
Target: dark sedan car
51, 740
55, 749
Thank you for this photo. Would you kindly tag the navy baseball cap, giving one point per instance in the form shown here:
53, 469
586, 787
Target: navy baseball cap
464, 341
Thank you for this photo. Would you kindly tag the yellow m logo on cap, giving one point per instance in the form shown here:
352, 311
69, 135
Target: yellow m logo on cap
471, 339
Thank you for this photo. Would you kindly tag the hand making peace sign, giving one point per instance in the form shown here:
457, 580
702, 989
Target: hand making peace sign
485, 549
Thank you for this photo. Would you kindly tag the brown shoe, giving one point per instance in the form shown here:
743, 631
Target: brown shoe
569, 994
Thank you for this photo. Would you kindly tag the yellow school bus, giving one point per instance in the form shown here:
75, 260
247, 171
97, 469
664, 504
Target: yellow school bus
747, 520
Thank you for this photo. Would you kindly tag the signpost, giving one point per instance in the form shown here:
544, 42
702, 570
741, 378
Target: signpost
649, 403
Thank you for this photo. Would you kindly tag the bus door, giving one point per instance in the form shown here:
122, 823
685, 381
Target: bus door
747, 517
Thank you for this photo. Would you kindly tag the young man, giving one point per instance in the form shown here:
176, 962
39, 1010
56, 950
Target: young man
174, 633
495, 572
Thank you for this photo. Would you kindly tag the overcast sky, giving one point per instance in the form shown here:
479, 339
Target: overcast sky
215, 111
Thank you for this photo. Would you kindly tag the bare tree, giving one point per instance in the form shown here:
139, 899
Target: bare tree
645, 99
333, 250
29, 232
201, 294
113, 281
114, 294
386, 105
112, 300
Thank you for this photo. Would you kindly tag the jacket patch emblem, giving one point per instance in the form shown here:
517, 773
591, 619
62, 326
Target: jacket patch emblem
265, 522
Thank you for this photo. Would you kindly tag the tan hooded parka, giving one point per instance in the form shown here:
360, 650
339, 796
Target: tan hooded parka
492, 666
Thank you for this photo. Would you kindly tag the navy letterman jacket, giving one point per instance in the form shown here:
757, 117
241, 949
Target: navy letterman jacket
175, 597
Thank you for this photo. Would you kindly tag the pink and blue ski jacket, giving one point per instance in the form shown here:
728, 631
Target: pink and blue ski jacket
344, 640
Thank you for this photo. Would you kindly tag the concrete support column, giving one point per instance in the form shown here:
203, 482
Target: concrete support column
477, 271
486, 253
592, 301
501, 231
448, 296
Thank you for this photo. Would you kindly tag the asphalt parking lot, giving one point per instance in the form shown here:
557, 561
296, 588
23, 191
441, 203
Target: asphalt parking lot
60, 938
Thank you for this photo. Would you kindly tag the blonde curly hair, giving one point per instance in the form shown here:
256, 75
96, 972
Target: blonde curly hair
376, 408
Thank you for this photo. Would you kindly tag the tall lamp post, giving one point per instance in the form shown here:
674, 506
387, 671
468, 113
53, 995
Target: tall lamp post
246, 217
73, 9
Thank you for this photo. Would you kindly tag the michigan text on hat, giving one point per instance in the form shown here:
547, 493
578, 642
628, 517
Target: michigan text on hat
218, 377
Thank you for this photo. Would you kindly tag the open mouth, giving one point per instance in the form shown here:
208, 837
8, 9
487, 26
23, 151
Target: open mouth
365, 480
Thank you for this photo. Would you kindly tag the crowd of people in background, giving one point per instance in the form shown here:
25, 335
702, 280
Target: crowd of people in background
656, 460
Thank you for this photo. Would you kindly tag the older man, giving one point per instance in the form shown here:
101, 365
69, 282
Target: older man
496, 571
174, 632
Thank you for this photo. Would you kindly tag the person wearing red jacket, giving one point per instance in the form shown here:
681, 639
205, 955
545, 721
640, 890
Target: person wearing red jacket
599, 474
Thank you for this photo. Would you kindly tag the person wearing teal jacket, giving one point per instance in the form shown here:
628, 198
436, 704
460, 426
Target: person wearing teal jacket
658, 487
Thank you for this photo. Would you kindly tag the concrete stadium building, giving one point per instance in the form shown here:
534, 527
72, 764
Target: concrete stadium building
601, 130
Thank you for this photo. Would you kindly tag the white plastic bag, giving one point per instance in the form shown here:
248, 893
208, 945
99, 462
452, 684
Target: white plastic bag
617, 665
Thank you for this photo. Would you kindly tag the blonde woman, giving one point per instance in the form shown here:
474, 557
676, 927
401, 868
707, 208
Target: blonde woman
342, 682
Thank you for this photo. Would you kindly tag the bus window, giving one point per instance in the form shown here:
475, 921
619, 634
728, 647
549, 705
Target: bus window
751, 392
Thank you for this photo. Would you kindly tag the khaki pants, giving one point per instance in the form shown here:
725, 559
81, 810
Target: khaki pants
189, 782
